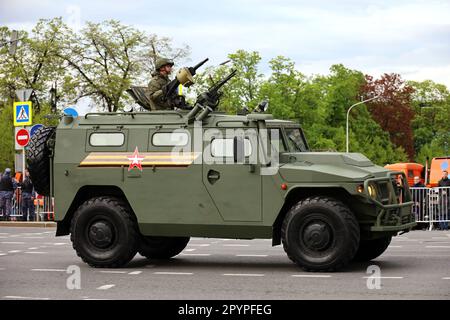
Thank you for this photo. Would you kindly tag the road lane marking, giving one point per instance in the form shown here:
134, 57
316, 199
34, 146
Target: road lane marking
106, 287
395, 247
311, 276
33, 248
135, 272
373, 277
26, 298
49, 270
14, 251
11, 242
33, 237
244, 274
199, 245
174, 273
196, 254
112, 271
36, 252
435, 247
252, 255
3, 254
190, 250
446, 278
235, 245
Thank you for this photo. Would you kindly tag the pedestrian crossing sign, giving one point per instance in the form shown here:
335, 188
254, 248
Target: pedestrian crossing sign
22, 113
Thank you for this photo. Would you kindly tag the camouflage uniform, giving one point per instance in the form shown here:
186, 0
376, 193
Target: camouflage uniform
156, 88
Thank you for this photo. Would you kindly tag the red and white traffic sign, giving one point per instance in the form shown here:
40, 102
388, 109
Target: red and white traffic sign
22, 137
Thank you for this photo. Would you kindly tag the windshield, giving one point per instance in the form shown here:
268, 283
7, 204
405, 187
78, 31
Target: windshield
296, 140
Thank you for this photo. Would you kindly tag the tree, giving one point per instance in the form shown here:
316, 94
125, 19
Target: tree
393, 110
431, 124
35, 64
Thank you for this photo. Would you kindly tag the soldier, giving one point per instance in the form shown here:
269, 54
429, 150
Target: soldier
158, 83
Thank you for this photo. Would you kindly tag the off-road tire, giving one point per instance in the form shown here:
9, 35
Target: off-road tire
92, 222
162, 247
320, 234
38, 159
370, 249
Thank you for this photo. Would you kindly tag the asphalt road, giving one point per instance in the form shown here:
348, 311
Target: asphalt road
34, 264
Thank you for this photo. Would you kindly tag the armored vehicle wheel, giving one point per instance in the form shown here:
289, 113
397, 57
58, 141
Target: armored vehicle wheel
162, 247
38, 159
320, 234
104, 233
370, 249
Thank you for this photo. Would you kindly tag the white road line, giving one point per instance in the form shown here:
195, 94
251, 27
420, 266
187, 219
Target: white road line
439, 238
59, 243
199, 245
446, 278
244, 274
36, 252
252, 255
14, 251
49, 270
26, 298
372, 277
444, 247
174, 273
112, 271
33, 248
196, 254
395, 247
235, 245
135, 272
11, 242
311, 276
3, 254
90, 299
106, 287
33, 237
190, 250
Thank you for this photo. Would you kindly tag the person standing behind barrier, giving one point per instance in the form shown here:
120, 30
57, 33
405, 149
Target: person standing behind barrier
419, 198
27, 198
6, 193
445, 202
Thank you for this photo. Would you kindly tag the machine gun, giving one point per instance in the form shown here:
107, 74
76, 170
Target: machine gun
209, 100
184, 76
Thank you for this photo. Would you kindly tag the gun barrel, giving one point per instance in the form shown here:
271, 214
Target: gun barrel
218, 85
198, 65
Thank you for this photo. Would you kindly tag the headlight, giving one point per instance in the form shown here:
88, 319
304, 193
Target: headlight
372, 191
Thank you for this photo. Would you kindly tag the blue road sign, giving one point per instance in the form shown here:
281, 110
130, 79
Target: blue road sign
35, 128
22, 113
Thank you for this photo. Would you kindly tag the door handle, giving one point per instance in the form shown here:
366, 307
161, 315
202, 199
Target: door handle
213, 176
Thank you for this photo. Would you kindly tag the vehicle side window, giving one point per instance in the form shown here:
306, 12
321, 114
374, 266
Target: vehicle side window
281, 145
176, 139
224, 148
295, 140
106, 139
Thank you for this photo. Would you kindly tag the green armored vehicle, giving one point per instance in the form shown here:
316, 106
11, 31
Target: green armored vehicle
148, 181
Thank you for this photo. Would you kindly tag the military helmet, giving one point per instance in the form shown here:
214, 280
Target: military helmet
161, 62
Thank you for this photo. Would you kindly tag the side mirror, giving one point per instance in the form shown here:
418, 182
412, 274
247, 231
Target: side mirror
238, 149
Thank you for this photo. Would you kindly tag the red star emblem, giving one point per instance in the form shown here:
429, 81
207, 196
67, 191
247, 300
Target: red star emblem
136, 160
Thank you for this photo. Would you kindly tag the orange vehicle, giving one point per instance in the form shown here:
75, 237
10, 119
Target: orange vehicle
438, 164
410, 169
430, 177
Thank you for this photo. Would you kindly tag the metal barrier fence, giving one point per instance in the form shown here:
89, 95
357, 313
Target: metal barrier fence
431, 205
43, 208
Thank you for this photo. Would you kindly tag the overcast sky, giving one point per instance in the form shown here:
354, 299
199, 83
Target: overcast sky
409, 37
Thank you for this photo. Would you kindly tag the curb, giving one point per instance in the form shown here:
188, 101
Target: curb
38, 224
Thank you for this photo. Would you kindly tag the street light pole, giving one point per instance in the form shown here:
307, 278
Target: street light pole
348, 113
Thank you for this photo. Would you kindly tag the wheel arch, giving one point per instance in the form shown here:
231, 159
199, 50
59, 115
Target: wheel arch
83, 194
299, 193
